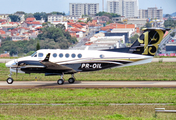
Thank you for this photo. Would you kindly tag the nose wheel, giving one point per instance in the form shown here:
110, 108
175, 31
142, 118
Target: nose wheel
9, 80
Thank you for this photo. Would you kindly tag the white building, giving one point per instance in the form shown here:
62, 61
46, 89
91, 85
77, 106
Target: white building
152, 12
57, 22
52, 18
127, 8
83, 8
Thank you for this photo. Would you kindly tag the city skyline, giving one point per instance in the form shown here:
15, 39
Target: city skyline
32, 6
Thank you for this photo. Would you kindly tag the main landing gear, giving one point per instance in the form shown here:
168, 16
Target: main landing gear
70, 80
10, 79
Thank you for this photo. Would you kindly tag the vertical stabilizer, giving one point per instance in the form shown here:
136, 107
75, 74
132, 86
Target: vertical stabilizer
147, 43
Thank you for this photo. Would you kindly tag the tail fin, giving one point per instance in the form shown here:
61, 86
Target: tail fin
147, 43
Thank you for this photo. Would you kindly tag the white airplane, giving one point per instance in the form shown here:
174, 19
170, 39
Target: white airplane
60, 62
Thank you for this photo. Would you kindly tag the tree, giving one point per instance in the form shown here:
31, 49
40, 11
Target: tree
167, 16
57, 13
110, 15
13, 52
134, 38
148, 25
39, 16
170, 23
14, 18
29, 15
89, 19
20, 12
61, 26
38, 46
172, 34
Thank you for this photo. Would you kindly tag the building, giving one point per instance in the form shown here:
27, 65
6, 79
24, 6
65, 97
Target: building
138, 22
127, 8
152, 13
4, 16
80, 9
52, 18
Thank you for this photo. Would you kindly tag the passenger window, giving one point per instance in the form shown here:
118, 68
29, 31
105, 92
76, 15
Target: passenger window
101, 56
54, 55
61, 55
40, 55
79, 55
67, 55
73, 55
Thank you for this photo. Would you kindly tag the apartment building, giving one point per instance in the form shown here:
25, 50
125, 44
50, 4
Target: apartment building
52, 18
152, 12
80, 9
127, 8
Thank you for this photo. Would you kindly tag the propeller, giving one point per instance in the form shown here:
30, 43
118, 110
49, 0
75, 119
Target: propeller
16, 62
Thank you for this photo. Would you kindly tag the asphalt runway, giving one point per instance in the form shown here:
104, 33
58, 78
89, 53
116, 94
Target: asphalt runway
88, 84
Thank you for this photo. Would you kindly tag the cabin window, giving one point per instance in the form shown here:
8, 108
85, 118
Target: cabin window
67, 55
73, 55
40, 55
79, 55
61, 55
101, 56
54, 55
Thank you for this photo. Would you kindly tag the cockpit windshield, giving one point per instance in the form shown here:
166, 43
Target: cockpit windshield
34, 54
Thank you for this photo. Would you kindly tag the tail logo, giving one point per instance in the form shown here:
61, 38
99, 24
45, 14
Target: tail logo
150, 40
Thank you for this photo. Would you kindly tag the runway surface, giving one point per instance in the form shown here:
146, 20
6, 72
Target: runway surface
88, 84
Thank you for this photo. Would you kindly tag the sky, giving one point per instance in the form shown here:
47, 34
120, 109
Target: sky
32, 6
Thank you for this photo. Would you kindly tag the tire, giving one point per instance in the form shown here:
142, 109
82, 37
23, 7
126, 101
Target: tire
9, 80
71, 80
60, 82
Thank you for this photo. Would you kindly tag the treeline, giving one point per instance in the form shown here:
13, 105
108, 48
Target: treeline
50, 38
110, 15
170, 23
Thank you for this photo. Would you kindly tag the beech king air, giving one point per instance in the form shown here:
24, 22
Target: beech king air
60, 62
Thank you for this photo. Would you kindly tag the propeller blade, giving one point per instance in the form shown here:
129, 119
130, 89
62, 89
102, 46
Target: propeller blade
16, 67
16, 72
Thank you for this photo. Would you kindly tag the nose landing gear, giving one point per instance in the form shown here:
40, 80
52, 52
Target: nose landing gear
10, 79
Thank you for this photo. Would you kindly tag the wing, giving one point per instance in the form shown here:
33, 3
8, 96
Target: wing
54, 66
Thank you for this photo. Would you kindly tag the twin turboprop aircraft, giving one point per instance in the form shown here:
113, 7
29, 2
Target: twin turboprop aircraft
60, 62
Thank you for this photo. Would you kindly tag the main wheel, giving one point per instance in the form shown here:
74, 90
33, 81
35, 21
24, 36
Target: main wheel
60, 82
9, 80
71, 80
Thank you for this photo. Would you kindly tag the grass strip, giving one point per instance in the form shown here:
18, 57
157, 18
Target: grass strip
88, 96
85, 112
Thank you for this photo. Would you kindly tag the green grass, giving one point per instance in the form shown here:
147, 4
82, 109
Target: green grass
84, 113
152, 71
88, 96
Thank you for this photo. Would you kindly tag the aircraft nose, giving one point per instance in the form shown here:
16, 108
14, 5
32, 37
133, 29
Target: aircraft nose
11, 63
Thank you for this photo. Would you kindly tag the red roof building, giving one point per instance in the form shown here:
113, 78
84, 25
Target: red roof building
30, 19
2, 32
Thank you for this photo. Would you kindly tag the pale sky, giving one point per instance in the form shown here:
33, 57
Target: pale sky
32, 6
